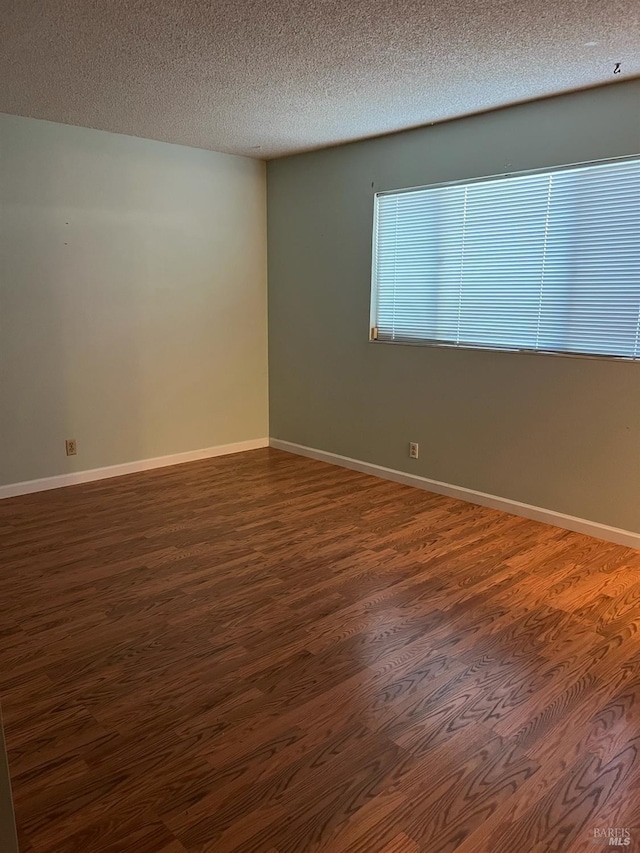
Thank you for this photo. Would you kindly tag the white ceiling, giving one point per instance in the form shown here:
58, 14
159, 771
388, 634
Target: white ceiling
273, 77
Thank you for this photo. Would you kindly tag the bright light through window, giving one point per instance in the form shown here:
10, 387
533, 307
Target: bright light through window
541, 261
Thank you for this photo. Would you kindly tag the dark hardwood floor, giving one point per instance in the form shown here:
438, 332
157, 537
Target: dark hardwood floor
266, 653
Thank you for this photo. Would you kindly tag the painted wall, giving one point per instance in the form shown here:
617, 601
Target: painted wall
132, 299
559, 433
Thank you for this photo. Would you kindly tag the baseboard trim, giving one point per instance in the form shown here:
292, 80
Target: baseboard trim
29, 486
536, 513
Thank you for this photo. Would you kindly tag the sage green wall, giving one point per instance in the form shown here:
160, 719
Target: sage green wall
560, 433
133, 311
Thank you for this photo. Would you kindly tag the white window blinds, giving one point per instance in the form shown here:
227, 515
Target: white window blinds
547, 262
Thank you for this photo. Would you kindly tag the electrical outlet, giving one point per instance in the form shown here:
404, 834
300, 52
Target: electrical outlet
413, 450
71, 446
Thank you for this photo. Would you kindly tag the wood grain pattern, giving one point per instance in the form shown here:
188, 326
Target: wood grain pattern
268, 654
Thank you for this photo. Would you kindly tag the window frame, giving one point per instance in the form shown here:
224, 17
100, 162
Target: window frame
422, 342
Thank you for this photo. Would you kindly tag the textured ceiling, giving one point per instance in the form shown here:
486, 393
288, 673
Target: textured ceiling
273, 77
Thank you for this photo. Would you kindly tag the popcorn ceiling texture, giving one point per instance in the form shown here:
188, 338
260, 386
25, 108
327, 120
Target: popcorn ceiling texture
292, 75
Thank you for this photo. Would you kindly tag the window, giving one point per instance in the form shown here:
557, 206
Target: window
546, 262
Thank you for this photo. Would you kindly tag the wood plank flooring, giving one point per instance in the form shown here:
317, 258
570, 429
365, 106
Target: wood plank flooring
266, 653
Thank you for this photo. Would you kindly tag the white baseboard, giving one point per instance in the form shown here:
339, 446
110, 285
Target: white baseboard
29, 486
549, 516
